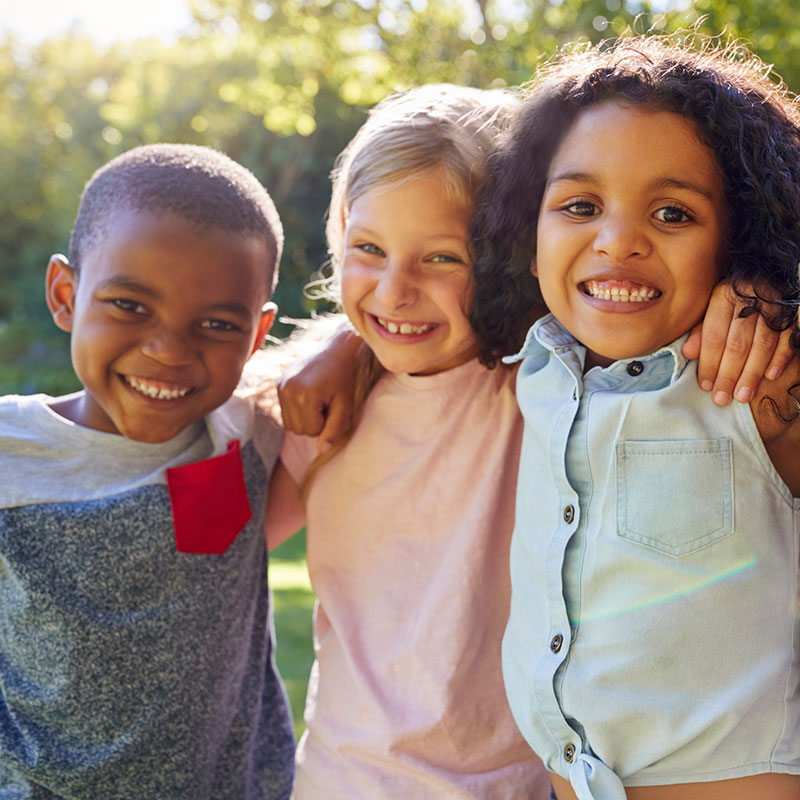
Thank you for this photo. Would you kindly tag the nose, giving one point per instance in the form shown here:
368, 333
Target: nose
168, 346
622, 236
396, 288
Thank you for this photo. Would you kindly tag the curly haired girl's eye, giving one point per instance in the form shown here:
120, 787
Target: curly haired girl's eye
582, 208
672, 215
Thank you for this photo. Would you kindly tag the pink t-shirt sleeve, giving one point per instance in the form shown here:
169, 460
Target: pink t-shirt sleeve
297, 454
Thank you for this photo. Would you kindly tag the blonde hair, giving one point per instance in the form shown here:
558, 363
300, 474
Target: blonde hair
408, 134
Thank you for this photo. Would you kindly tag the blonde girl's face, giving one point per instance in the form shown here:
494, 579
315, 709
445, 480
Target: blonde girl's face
631, 230
406, 275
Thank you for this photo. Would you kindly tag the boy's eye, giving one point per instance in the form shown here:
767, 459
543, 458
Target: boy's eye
129, 306
581, 208
219, 325
370, 248
672, 215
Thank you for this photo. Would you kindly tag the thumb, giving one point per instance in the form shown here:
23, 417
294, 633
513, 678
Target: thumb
691, 347
337, 423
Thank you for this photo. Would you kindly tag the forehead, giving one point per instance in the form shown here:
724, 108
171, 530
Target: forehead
166, 253
427, 197
639, 143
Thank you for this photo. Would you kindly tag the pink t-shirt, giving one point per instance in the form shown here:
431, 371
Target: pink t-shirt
408, 537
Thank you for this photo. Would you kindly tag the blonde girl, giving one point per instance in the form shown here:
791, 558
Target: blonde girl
409, 522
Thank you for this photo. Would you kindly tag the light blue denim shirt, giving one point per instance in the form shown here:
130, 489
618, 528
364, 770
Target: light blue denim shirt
654, 633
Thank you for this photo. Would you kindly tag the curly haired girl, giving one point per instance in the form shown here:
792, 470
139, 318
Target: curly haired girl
656, 534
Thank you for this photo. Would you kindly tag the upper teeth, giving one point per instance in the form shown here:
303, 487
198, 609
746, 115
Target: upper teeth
154, 390
405, 327
621, 294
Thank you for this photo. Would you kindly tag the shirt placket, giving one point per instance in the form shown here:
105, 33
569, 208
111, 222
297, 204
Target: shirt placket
566, 738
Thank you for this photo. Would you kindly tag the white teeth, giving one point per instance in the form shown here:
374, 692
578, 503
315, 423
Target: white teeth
405, 327
156, 392
621, 295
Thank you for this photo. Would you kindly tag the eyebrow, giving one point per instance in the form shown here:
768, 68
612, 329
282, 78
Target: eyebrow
363, 230
661, 183
119, 282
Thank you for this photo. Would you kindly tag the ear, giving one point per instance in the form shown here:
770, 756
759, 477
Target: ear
268, 312
534, 269
61, 286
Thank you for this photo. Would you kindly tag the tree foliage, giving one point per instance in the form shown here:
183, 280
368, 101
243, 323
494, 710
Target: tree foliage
280, 86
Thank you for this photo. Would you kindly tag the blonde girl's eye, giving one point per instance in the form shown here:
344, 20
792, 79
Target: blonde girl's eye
371, 249
443, 258
673, 215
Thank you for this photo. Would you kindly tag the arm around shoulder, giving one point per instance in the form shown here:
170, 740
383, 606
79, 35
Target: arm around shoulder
776, 410
286, 513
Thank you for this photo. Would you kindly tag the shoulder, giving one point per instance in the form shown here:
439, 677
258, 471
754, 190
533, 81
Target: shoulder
240, 418
298, 453
21, 416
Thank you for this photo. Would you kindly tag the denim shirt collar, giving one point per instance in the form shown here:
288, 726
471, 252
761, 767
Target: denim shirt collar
654, 371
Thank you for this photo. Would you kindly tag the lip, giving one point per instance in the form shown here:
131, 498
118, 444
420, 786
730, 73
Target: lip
402, 338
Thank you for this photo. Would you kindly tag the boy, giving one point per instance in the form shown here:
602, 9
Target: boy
135, 633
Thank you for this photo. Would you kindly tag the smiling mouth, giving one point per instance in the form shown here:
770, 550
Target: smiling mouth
620, 291
406, 328
157, 390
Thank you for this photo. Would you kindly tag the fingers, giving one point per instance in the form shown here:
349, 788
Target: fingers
735, 352
303, 410
337, 423
782, 356
736, 355
763, 347
714, 336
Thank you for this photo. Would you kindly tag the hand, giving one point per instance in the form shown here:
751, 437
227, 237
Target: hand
316, 395
735, 353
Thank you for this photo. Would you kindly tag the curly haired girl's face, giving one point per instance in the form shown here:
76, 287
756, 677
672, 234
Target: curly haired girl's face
630, 232
406, 275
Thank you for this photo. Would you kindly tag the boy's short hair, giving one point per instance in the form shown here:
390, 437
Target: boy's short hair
201, 185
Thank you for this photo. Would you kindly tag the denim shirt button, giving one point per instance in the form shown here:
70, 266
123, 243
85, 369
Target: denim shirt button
635, 368
556, 642
569, 514
569, 753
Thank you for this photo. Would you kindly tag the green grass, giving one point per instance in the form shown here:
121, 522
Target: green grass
293, 605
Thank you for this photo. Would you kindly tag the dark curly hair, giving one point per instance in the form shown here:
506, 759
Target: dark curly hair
749, 121
201, 185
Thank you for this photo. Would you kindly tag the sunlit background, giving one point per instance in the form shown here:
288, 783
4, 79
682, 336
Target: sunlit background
104, 21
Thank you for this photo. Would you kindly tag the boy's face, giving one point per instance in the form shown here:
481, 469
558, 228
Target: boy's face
163, 319
630, 230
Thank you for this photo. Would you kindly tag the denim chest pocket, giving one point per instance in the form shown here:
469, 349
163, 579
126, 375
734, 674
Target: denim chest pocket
674, 497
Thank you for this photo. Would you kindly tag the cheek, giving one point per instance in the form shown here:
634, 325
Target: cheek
352, 291
348, 289
457, 302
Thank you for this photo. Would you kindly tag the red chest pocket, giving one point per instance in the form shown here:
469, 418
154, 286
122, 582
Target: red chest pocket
209, 502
